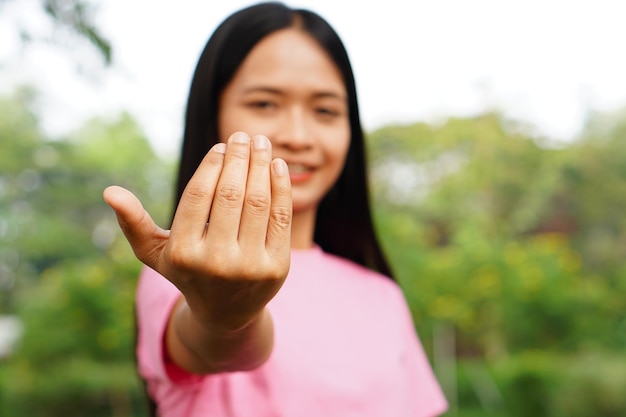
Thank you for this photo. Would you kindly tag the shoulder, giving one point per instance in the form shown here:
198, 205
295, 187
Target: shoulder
360, 271
340, 271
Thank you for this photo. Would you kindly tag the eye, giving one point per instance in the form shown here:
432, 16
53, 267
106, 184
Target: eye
262, 104
327, 112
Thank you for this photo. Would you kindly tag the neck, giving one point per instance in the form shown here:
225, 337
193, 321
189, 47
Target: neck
302, 229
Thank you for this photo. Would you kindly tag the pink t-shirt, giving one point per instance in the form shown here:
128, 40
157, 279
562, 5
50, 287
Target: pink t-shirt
344, 346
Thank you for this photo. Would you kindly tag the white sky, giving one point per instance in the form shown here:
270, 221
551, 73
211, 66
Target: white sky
546, 62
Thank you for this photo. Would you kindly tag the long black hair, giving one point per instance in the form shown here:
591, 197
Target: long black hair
343, 225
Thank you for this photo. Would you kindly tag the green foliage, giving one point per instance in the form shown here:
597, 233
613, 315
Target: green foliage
467, 171
84, 313
541, 383
481, 286
75, 17
516, 247
74, 294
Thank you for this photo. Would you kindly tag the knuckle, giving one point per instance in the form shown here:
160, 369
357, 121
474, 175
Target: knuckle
247, 271
262, 159
219, 269
240, 153
228, 196
281, 217
214, 158
257, 201
196, 194
180, 258
276, 274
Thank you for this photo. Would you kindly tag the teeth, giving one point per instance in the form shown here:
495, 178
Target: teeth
297, 168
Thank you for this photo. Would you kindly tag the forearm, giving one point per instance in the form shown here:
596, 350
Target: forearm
201, 349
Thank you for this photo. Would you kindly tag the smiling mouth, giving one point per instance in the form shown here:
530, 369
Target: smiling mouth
299, 173
298, 169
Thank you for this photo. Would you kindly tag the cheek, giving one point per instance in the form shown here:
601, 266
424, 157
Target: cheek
237, 120
231, 118
341, 147
226, 124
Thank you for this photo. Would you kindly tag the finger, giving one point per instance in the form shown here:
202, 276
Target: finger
144, 236
278, 240
257, 200
229, 194
195, 203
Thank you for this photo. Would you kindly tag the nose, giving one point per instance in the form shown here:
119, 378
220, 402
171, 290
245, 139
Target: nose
295, 131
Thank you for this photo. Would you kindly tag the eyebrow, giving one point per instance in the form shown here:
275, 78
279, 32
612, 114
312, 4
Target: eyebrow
277, 91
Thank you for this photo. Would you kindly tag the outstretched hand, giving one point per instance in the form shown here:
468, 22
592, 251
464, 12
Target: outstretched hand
228, 249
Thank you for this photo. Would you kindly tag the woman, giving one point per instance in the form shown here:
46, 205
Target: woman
281, 304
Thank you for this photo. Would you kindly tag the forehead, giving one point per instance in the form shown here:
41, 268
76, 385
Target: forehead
290, 57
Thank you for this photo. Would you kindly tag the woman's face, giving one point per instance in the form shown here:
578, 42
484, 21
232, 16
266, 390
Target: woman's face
289, 90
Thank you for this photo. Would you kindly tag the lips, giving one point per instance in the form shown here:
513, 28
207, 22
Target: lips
299, 172
298, 168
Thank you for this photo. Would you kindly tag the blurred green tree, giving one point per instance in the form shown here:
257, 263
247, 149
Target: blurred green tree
74, 17
515, 246
66, 271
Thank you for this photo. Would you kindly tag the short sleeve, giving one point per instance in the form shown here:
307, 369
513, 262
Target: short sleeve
423, 388
155, 299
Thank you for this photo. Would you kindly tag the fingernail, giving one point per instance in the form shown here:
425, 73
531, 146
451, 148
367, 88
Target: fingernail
261, 143
219, 148
279, 166
240, 137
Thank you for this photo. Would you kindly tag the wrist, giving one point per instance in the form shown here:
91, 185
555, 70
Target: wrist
224, 347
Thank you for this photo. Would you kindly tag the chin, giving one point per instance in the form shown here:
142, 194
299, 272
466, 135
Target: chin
300, 208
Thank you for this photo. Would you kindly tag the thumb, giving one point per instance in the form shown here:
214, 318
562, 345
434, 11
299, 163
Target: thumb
144, 236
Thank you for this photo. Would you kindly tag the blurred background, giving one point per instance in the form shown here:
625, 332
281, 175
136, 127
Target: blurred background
497, 140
